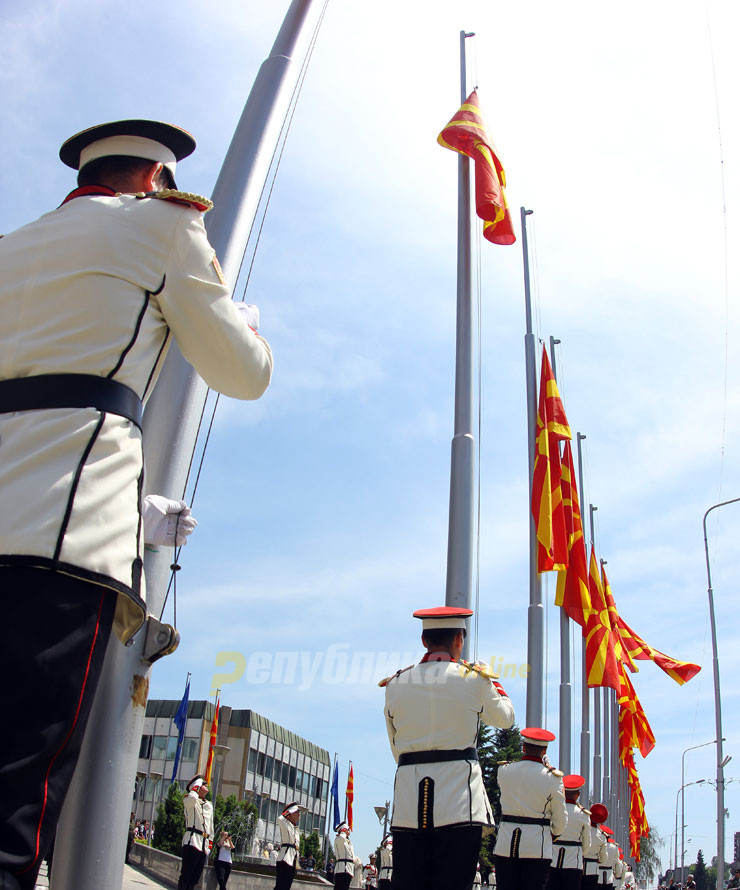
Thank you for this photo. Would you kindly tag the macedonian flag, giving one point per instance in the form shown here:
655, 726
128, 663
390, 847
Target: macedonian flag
636, 647
601, 663
467, 134
572, 589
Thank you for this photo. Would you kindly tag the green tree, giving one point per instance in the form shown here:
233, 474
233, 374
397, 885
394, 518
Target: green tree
700, 872
649, 865
495, 746
310, 845
169, 825
239, 818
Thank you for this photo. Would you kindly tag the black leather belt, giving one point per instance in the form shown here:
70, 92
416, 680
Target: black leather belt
525, 820
568, 843
345, 860
589, 860
413, 757
194, 830
44, 391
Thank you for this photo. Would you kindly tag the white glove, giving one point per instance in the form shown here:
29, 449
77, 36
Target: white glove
251, 313
167, 523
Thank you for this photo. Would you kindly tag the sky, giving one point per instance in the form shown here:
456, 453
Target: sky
322, 508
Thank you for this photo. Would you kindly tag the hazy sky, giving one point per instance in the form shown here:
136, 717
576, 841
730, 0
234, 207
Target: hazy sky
323, 508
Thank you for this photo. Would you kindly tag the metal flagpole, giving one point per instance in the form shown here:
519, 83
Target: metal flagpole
585, 709
536, 612
91, 836
460, 535
566, 691
605, 699
329, 812
597, 695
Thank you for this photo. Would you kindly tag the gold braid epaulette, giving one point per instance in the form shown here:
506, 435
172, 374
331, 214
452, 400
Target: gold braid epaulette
400, 671
555, 772
187, 199
480, 668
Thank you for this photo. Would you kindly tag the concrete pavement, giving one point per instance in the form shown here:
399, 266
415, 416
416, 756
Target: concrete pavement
132, 880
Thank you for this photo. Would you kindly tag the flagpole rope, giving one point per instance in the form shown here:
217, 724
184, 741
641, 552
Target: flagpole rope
270, 180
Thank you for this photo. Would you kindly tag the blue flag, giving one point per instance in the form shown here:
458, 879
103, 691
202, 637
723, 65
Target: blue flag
335, 795
181, 719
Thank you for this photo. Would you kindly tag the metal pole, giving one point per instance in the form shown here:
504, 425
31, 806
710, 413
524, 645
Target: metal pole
536, 612
156, 779
717, 712
91, 836
597, 693
460, 534
566, 690
692, 748
585, 709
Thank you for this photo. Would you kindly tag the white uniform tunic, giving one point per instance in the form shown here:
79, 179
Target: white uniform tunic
530, 790
386, 864
289, 841
439, 706
344, 854
575, 842
596, 853
96, 287
609, 863
198, 822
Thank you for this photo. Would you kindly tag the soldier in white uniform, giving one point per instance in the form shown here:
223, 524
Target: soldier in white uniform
370, 873
532, 814
629, 882
608, 866
385, 873
91, 296
619, 870
287, 858
597, 850
198, 838
346, 860
433, 712
568, 850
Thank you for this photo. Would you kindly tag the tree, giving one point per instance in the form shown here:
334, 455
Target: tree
311, 846
649, 865
170, 822
700, 872
495, 746
239, 818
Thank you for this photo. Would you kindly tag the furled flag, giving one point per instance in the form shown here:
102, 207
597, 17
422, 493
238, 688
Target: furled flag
350, 795
601, 663
634, 729
467, 134
547, 499
212, 742
572, 589
636, 647
335, 795
181, 719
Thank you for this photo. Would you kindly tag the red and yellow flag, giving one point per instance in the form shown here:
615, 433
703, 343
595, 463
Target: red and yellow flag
572, 589
212, 742
620, 652
547, 498
467, 134
636, 647
634, 729
601, 662
350, 794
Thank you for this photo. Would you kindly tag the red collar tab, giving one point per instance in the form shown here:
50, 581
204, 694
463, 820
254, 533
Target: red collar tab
436, 656
533, 759
88, 190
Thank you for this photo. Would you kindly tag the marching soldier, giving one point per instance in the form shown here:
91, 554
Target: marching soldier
287, 858
532, 814
198, 838
566, 868
344, 853
92, 294
433, 712
385, 872
597, 853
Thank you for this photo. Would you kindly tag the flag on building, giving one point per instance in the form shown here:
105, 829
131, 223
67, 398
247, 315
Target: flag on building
467, 134
547, 499
636, 647
601, 663
572, 587
335, 794
350, 795
180, 720
212, 742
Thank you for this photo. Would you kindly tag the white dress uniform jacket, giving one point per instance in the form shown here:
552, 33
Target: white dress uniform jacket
618, 872
629, 882
439, 706
289, 841
606, 868
100, 286
385, 872
198, 822
531, 790
575, 842
370, 875
344, 854
596, 852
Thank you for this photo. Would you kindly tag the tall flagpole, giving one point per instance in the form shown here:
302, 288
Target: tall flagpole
566, 691
536, 612
597, 697
460, 535
606, 701
585, 709
91, 836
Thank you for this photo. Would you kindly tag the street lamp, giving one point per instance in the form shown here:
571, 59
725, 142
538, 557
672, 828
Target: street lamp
675, 843
692, 748
219, 752
155, 777
721, 763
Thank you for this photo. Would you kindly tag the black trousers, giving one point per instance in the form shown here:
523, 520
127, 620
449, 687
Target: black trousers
223, 870
284, 875
53, 635
384, 884
590, 882
193, 861
439, 859
564, 878
342, 881
521, 874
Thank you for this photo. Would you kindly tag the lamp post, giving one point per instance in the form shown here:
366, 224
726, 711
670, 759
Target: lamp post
675, 845
692, 748
219, 753
721, 762
155, 777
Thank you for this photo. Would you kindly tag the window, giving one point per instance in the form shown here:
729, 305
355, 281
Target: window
261, 763
299, 780
292, 777
312, 791
319, 788
273, 811
252, 760
286, 774
268, 767
189, 750
145, 746
160, 747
